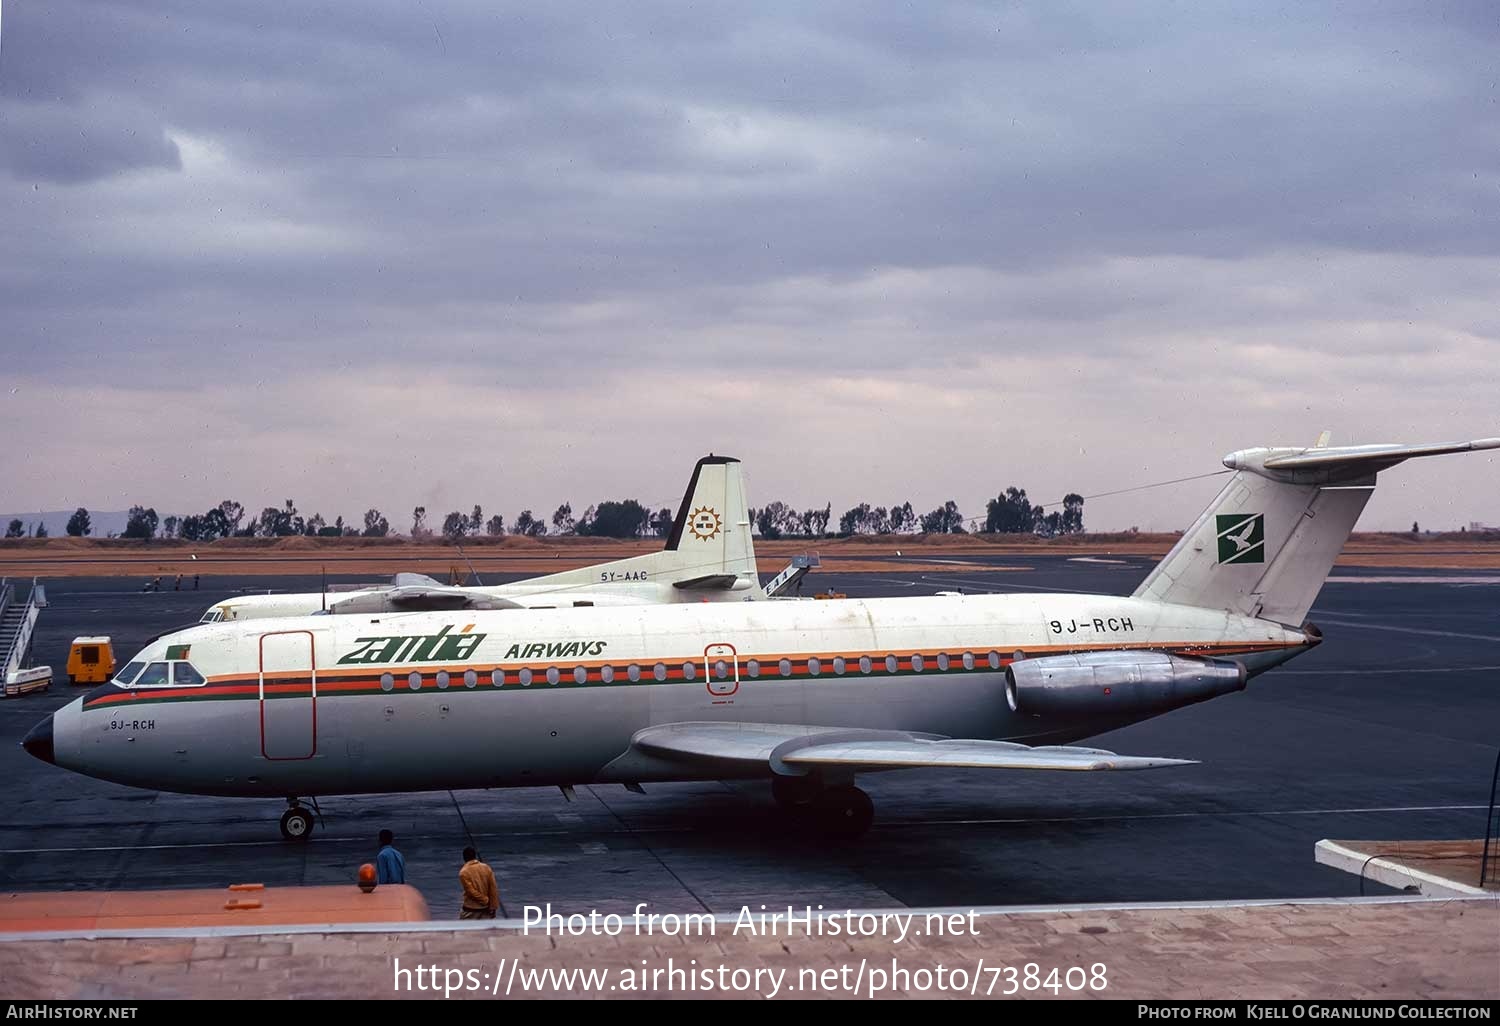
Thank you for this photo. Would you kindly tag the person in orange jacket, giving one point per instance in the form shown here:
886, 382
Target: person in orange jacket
481, 892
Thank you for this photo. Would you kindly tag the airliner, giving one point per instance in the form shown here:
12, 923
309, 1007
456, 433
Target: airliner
708, 557
808, 695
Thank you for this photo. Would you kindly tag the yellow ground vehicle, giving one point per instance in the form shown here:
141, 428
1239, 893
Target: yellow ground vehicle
91, 660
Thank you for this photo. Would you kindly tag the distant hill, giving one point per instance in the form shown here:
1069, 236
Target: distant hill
105, 522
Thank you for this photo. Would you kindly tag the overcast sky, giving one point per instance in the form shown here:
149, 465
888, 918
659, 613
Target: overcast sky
382, 254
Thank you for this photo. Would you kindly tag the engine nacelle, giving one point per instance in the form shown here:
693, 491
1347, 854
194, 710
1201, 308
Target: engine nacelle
1101, 683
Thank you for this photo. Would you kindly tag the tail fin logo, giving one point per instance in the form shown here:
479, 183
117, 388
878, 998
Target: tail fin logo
1242, 537
705, 523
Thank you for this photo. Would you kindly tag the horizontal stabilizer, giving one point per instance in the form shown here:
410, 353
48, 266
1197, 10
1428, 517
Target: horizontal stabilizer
791, 748
1331, 464
708, 582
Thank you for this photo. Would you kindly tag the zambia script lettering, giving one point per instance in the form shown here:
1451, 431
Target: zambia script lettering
441, 647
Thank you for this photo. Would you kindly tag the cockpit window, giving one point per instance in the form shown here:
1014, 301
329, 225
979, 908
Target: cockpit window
212, 616
154, 676
185, 676
127, 675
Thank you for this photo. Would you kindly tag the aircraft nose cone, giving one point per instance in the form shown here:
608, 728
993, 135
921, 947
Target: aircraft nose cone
38, 741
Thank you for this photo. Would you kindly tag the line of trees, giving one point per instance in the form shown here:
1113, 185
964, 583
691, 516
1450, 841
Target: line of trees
1010, 512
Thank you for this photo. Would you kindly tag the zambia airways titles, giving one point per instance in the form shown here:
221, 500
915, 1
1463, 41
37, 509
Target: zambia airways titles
445, 646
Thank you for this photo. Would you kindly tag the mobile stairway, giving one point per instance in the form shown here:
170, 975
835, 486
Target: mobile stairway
17, 627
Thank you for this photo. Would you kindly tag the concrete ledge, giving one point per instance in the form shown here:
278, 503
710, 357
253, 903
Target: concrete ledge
1436, 869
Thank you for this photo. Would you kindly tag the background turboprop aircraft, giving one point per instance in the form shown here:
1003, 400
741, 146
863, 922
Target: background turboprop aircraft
807, 694
709, 556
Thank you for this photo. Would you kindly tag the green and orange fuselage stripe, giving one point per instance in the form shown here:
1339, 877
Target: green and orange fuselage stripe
342, 683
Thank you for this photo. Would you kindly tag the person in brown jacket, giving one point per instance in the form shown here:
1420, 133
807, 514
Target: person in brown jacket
481, 893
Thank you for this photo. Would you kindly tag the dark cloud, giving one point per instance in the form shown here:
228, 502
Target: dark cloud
562, 194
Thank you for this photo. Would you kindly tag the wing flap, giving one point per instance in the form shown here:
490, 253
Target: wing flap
793, 748
958, 753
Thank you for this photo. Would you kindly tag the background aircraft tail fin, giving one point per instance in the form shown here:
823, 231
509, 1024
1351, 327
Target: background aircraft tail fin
712, 528
1266, 543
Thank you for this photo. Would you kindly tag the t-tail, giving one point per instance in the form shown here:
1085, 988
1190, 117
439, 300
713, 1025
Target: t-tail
1264, 546
708, 554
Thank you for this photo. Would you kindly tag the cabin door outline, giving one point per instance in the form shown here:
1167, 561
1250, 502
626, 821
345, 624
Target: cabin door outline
288, 696
726, 685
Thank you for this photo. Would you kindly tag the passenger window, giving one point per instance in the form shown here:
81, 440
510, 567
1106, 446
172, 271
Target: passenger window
580, 675
497, 678
785, 666
552, 675
916, 664
128, 674
753, 667
814, 666
155, 676
892, 664
470, 678
865, 665
994, 660
185, 676
839, 665
606, 674
633, 671
721, 669
688, 672
659, 671
525, 676
414, 681
968, 660
942, 660
442, 680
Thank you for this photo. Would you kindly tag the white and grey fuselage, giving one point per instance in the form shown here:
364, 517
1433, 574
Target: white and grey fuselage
463, 699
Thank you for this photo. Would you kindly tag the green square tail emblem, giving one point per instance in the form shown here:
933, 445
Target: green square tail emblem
1242, 537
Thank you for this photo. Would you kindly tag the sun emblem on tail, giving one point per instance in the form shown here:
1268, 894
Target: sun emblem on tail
705, 523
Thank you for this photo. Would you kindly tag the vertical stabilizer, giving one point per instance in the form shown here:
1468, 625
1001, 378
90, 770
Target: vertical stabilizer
708, 555
711, 534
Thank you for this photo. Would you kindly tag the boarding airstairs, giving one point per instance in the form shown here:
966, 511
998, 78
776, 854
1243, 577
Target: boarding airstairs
17, 627
789, 578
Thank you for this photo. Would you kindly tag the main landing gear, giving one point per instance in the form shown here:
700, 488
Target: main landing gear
839, 812
296, 821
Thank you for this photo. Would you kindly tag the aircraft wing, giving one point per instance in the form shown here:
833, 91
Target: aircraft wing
784, 747
407, 598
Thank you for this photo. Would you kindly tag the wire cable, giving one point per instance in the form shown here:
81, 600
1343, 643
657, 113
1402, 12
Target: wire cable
1123, 491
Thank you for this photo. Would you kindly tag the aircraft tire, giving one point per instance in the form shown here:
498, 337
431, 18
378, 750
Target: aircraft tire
296, 824
844, 813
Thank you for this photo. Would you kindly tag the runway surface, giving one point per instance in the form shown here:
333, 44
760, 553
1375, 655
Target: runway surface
1387, 730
